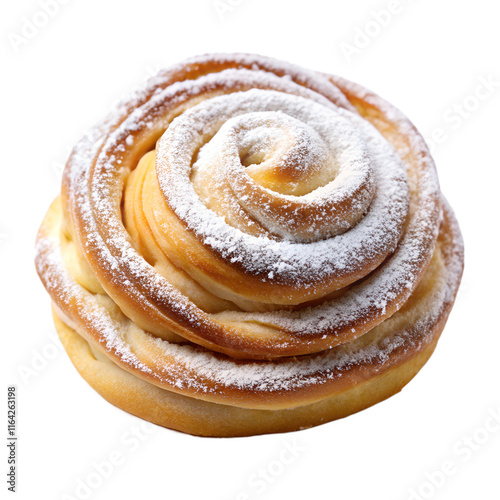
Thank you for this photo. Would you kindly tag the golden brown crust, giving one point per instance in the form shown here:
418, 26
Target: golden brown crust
202, 418
251, 241
296, 381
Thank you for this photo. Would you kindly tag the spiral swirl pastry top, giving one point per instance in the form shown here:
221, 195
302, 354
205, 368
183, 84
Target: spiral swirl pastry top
251, 236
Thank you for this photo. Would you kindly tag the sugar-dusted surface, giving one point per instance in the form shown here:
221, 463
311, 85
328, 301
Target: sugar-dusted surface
356, 146
203, 373
309, 205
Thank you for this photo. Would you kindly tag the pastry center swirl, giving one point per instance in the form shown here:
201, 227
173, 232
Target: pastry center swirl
284, 176
281, 187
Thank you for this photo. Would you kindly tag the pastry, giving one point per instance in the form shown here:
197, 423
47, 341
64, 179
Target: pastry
245, 246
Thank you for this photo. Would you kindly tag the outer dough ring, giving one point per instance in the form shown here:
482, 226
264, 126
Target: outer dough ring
202, 418
434, 315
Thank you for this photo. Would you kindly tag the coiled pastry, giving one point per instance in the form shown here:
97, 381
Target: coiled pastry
245, 246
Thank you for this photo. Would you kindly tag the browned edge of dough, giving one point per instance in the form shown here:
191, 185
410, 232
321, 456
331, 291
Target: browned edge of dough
201, 418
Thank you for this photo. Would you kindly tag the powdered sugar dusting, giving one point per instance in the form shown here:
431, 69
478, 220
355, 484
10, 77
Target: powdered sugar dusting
376, 235
396, 225
202, 372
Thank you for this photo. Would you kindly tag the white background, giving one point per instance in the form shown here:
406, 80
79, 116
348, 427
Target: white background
428, 60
